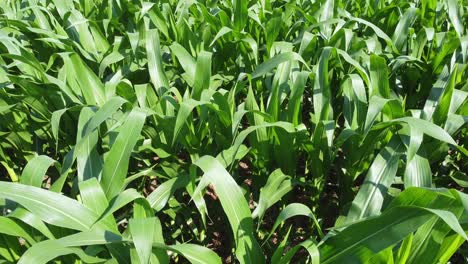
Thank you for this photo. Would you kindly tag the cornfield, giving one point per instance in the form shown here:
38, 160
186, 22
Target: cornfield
233, 131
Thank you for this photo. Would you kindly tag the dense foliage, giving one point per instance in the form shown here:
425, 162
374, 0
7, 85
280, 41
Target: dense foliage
214, 131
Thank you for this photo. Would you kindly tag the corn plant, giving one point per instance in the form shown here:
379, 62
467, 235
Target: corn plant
270, 131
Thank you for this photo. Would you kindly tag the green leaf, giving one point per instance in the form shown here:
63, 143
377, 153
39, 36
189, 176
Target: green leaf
104, 113
93, 198
235, 207
34, 172
55, 124
239, 14
196, 254
460, 178
429, 128
454, 15
379, 77
449, 247
9, 227
410, 210
48, 250
400, 35
404, 250
142, 231
159, 197
52, 208
355, 102
120, 201
326, 14
155, 65
31, 219
116, 162
89, 162
67, 245
321, 90
418, 172
202, 74
308, 245
288, 127
440, 97
186, 61
185, 109
370, 197
377, 31
376, 105
297, 94
292, 210
359, 242
272, 63
278, 184
223, 31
